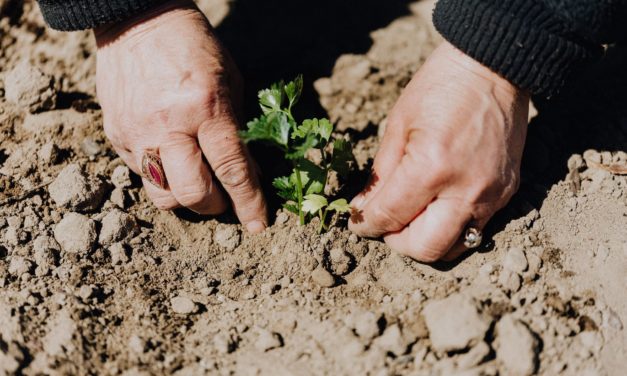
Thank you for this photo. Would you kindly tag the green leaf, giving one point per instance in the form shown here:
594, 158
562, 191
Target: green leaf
273, 128
300, 150
291, 207
285, 189
343, 157
293, 90
314, 127
340, 206
271, 99
316, 177
325, 128
313, 203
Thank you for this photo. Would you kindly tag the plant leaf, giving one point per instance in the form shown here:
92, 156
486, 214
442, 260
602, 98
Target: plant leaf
340, 206
325, 128
342, 158
313, 203
316, 177
290, 207
293, 90
273, 128
285, 189
271, 99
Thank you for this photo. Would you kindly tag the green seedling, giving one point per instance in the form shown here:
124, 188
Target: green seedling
303, 190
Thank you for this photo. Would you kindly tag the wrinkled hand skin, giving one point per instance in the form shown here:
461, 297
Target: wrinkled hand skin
451, 154
164, 82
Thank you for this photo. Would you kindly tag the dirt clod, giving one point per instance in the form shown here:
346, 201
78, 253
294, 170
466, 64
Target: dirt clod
183, 305
75, 190
322, 277
454, 323
76, 233
516, 347
515, 260
227, 237
116, 225
30, 88
267, 340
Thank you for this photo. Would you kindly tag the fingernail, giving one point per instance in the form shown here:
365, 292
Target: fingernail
255, 227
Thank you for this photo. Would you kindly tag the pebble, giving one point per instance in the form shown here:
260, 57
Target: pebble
474, 357
267, 340
118, 254
48, 153
117, 225
75, 190
91, 147
136, 345
340, 261
86, 292
510, 281
118, 197
515, 260
183, 305
454, 323
367, 325
30, 88
76, 233
392, 341
227, 237
121, 177
15, 236
322, 277
516, 347
20, 265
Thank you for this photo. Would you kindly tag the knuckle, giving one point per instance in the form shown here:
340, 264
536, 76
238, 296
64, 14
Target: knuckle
384, 220
233, 173
191, 196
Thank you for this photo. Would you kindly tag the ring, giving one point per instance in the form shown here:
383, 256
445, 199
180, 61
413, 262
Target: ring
473, 238
152, 169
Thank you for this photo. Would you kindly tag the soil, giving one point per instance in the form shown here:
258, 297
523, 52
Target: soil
95, 280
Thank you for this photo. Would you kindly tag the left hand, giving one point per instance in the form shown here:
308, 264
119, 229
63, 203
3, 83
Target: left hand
450, 156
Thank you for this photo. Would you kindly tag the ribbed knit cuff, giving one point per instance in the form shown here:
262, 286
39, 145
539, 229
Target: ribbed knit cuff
71, 15
519, 39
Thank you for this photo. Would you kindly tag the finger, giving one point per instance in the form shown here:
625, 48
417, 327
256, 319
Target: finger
162, 198
430, 236
232, 165
389, 155
400, 199
189, 177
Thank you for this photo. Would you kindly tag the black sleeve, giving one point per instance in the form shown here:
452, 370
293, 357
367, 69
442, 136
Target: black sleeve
70, 15
534, 44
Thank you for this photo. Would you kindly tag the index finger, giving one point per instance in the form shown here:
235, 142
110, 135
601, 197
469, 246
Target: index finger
233, 167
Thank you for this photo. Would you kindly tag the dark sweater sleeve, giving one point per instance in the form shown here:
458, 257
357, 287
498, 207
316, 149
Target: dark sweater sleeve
534, 44
70, 15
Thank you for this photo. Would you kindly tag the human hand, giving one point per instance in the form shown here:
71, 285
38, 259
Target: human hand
450, 155
165, 83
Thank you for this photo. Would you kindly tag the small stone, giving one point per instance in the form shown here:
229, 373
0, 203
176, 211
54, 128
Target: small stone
86, 292
515, 260
183, 305
15, 236
76, 233
282, 218
473, 357
322, 277
75, 190
19, 265
367, 325
454, 323
227, 237
30, 88
118, 254
340, 261
136, 345
121, 177
117, 225
91, 147
48, 153
591, 157
118, 197
392, 341
516, 347
510, 281
268, 340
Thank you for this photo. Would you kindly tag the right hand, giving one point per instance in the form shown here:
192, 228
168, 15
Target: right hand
164, 82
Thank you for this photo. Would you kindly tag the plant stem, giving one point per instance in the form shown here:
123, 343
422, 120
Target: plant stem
323, 219
299, 193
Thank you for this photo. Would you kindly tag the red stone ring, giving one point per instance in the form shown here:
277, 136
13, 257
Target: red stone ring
152, 169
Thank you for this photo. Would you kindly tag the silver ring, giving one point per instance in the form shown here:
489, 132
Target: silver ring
472, 238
